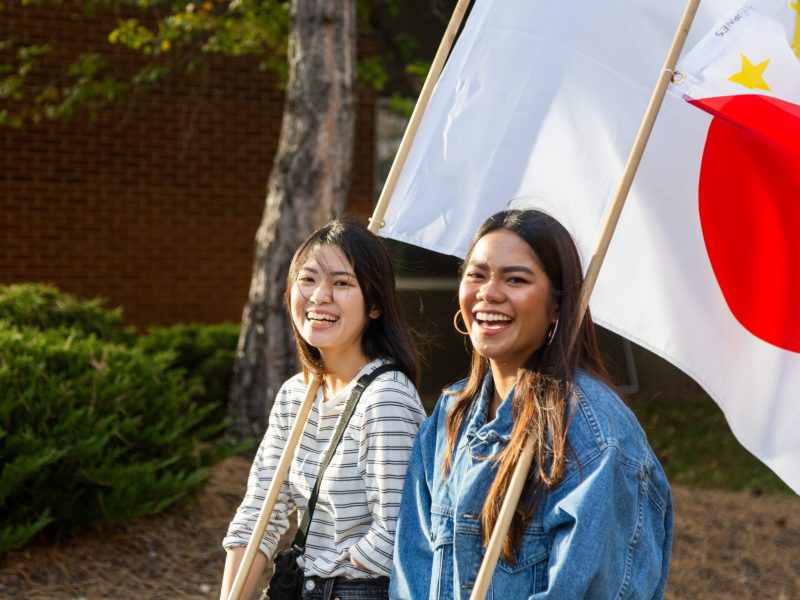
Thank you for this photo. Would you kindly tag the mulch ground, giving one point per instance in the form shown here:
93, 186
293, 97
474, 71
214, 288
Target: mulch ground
727, 545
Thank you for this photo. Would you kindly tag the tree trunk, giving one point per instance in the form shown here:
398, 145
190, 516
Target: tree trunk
308, 186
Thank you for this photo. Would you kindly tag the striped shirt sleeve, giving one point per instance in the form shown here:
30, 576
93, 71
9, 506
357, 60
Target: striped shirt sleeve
261, 475
391, 416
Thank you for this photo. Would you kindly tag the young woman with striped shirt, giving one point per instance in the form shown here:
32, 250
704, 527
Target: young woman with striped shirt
346, 320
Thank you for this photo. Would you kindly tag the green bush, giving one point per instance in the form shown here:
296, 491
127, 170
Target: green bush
205, 353
92, 431
45, 307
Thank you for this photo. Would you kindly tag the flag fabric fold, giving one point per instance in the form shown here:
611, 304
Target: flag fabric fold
538, 106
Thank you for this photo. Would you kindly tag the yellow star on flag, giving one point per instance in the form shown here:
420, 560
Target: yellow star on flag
751, 76
796, 43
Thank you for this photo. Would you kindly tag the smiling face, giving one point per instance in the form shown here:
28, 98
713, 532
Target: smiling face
326, 302
506, 300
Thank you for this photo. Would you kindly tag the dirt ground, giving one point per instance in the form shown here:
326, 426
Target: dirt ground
727, 545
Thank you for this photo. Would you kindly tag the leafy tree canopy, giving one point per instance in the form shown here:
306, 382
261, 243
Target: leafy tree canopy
179, 36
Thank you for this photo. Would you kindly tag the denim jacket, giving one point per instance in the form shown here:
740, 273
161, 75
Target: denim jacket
604, 531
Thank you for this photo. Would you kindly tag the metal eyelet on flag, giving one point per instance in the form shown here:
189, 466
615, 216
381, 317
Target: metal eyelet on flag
678, 77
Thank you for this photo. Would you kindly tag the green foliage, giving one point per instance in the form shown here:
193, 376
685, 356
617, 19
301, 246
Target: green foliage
401, 105
173, 38
92, 431
18, 535
419, 68
89, 87
416, 71
372, 73
96, 425
205, 353
85, 84
696, 447
45, 307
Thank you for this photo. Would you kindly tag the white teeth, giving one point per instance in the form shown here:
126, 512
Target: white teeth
482, 316
315, 316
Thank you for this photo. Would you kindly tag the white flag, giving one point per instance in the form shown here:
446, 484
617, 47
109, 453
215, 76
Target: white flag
538, 106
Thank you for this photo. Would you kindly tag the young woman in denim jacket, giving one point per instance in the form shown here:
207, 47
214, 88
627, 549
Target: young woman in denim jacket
595, 519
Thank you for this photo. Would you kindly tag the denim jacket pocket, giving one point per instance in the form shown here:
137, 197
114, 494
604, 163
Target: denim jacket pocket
527, 575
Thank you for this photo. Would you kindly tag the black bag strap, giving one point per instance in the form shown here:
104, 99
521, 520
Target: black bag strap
299, 543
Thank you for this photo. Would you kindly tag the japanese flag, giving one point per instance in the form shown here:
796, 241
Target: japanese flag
538, 106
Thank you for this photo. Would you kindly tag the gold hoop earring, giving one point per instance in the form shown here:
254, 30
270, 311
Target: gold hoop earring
455, 322
551, 333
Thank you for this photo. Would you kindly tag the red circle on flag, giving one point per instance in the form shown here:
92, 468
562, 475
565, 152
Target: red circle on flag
749, 200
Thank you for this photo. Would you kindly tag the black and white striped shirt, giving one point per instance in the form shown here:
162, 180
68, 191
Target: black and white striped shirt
359, 498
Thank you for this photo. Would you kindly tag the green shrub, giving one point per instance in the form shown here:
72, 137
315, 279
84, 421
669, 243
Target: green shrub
45, 307
204, 352
93, 431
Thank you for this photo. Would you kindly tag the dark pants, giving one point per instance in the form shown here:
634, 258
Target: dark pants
339, 588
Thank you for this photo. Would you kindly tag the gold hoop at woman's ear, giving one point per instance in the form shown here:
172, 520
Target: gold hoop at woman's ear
551, 333
455, 322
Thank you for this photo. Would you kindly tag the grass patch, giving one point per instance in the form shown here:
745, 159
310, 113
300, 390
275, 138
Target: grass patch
689, 434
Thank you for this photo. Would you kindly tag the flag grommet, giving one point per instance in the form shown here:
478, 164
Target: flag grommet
678, 77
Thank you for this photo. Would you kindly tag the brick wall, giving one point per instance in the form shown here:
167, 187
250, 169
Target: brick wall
153, 204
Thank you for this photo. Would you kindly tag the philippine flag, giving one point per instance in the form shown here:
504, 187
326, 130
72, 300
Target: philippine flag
745, 74
538, 106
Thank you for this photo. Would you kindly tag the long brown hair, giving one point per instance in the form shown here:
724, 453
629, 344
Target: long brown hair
386, 336
545, 380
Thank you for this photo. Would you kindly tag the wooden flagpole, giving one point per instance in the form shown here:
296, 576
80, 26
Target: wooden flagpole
376, 222
634, 158
274, 488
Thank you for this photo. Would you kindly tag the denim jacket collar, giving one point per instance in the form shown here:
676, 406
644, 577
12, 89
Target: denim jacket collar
499, 429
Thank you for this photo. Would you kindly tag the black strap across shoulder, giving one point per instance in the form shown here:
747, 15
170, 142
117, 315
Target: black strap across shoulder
299, 544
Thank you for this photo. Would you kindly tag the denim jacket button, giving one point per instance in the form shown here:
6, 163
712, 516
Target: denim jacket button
310, 585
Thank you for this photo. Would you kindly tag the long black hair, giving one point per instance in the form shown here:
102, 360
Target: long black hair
545, 379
